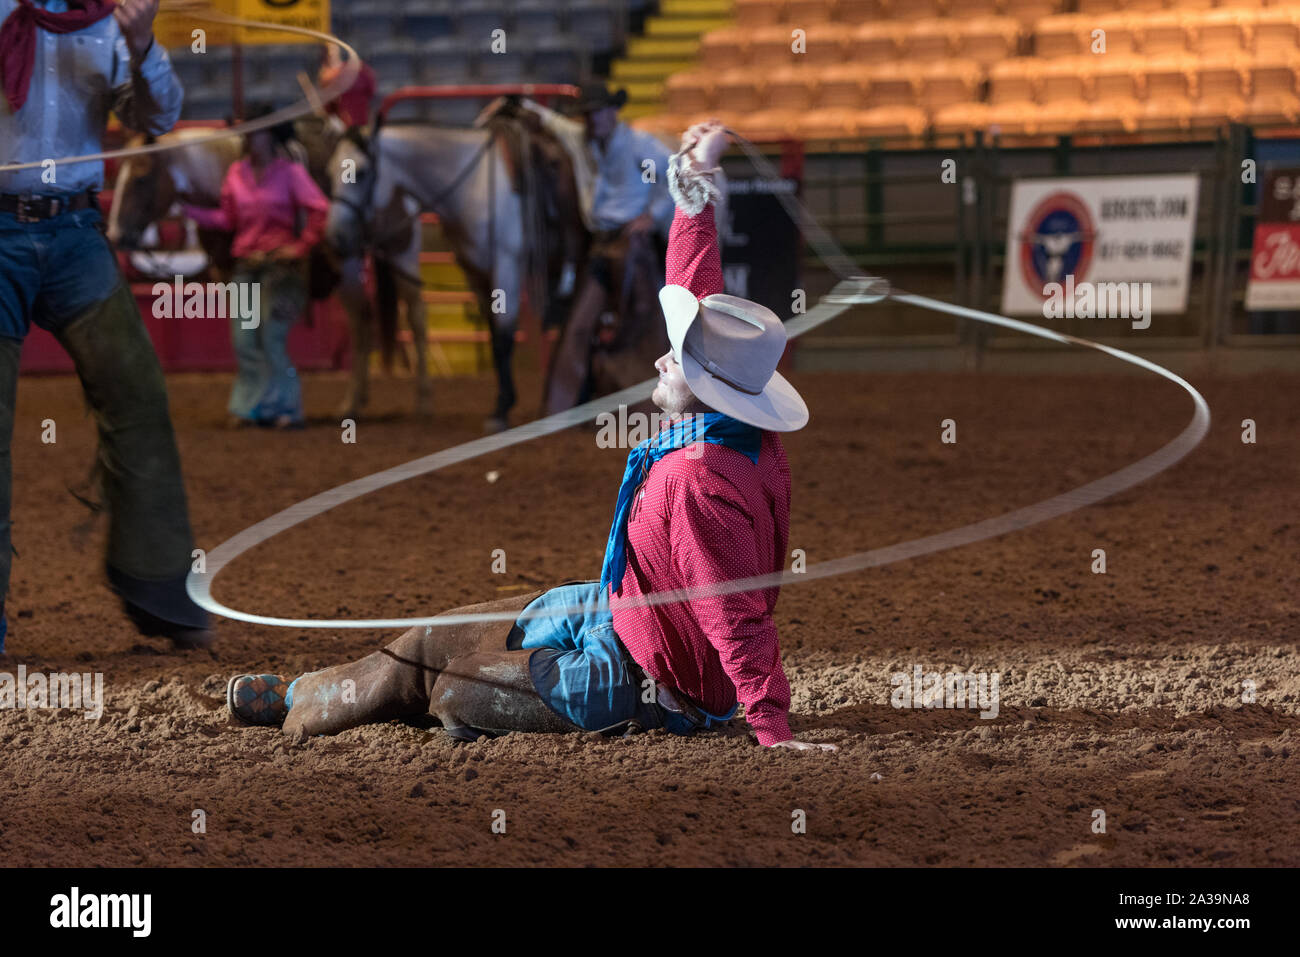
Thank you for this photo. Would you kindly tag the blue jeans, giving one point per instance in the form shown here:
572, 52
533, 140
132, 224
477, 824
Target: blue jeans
580, 667
52, 271
61, 275
266, 383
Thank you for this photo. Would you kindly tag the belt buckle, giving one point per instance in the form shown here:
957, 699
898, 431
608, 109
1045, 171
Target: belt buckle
21, 211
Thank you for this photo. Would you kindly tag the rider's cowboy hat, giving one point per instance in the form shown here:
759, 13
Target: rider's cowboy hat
596, 96
728, 349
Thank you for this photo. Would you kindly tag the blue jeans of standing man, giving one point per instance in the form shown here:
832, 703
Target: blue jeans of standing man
60, 274
266, 384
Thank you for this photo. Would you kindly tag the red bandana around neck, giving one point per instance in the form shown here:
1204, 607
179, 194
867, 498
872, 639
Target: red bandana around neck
18, 39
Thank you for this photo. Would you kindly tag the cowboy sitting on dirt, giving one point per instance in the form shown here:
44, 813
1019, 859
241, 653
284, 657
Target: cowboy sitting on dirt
703, 502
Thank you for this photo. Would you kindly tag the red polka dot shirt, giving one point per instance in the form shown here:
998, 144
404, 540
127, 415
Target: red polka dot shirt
702, 517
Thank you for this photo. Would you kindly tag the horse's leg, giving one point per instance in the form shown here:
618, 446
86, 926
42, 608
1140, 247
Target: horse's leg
352, 293
408, 265
506, 288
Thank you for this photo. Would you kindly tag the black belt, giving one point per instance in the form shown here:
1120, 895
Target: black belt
34, 209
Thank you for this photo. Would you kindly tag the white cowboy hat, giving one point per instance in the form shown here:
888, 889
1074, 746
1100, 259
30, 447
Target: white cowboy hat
728, 349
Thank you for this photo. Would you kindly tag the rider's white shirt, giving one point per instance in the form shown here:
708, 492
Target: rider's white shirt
76, 79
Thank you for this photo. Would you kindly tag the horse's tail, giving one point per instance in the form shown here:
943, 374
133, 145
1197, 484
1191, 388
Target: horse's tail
386, 307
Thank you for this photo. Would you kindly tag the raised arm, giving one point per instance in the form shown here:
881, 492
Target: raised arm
147, 96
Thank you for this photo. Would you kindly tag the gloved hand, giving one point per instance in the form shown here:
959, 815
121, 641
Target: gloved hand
706, 142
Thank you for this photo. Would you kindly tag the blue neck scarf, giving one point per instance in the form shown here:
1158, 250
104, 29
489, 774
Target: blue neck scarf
712, 427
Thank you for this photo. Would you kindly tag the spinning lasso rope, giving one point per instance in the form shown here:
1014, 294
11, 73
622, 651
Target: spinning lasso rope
852, 290
331, 91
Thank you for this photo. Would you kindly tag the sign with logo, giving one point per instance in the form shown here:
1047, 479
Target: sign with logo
309, 14
1274, 281
760, 243
176, 28
1099, 230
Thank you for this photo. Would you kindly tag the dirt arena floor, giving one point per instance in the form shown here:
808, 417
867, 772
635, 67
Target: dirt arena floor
1120, 691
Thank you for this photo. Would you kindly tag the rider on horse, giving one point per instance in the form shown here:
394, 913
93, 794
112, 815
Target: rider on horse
623, 190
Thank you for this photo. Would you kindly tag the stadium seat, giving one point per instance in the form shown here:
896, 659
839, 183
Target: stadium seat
772, 123
874, 42
188, 67
845, 86
988, 40
1066, 80
477, 19
597, 23
1168, 77
970, 9
558, 59
1276, 30
1117, 78
859, 11
1273, 108
1027, 11
537, 20
827, 123
828, 43
1061, 35
804, 13
1109, 116
928, 40
1014, 81
216, 64
1012, 118
1164, 114
947, 82
689, 92
424, 21
1273, 74
728, 45
508, 67
890, 121
1219, 31
793, 88
1218, 110
1121, 34
772, 46
905, 10
742, 88
759, 13
960, 117
395, 61
371, 23
891, 84
442, 60
1163, 32
1220, 77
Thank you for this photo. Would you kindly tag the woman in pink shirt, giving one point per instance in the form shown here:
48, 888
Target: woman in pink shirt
277, 214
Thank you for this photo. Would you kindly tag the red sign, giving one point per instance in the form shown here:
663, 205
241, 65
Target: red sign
1275, 258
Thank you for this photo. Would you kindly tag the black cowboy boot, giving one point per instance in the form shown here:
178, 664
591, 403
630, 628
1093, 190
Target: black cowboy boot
139, 469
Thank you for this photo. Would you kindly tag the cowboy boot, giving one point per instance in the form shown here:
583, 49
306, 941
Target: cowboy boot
398, 680
139, 467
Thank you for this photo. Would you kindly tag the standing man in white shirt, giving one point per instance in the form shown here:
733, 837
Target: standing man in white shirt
622, 177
